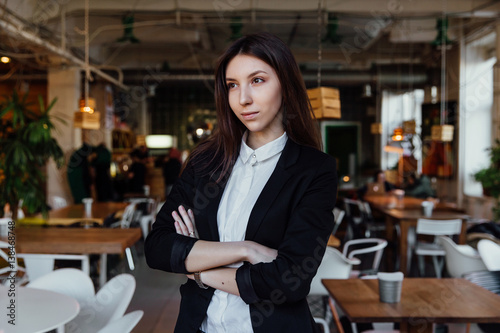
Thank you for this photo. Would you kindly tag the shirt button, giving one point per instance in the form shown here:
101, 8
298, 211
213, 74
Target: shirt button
254, 156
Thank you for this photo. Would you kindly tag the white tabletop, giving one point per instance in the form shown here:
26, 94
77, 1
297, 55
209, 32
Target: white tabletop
36, 310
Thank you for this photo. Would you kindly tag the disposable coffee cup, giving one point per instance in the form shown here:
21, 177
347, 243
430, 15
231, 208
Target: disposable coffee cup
87, 204
427, 207
4, 227
400, 194
146, 189
389, 286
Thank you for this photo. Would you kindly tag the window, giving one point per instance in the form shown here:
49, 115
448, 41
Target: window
476, 109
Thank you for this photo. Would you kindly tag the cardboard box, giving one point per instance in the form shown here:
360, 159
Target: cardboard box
87, 120
376, 128
442, 133
409, 127
325, 102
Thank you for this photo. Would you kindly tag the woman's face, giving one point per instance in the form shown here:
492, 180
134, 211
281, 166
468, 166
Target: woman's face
255, 96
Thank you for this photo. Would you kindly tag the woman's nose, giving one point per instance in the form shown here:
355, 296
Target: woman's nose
245, 96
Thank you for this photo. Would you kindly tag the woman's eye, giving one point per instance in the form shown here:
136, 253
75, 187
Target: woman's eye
258, 80
231, 85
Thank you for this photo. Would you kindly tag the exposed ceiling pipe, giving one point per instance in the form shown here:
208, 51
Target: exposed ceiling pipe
18, 32
386, 77
389, 78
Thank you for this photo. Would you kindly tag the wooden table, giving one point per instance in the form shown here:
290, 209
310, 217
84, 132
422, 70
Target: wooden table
406, 213
333, 241
424, 301
101, 241
381, 202
35, 310
75, 213
75, 240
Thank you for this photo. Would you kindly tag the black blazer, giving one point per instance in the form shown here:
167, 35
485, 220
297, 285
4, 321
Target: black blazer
292, 214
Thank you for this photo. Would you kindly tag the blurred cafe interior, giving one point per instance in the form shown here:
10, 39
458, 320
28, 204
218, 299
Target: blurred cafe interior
102, 101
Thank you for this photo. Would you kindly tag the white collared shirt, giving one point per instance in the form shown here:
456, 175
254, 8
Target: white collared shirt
227, 313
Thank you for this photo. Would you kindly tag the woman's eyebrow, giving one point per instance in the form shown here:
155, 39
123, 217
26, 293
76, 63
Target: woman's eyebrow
256, 72
249, 75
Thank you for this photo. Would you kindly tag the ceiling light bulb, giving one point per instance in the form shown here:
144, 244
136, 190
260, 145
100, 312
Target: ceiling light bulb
5, 60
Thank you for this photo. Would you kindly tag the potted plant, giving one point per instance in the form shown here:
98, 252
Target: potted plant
490, 178
26, 145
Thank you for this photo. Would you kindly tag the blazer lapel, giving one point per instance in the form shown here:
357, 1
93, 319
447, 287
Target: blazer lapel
277, 180
215, 192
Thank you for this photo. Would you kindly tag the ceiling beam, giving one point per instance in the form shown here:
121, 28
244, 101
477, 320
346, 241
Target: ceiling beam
15, 29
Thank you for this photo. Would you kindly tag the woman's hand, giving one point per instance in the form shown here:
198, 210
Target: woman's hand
184, 222
258, 253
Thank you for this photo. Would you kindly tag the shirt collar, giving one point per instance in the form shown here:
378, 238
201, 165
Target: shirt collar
263, 153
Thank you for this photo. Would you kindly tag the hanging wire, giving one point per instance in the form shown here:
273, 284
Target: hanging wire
87, 67
320, 49
442, 114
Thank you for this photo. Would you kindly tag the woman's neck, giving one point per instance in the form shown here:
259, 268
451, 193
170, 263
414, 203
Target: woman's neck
256, 140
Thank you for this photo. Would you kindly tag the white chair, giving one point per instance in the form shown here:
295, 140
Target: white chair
68, 281
109, 304
38, 265
71, 282
123, 325
333, 266
460, 259
127, 217
124, 223
360, 214
146, 220
9, 265
434, 249
339, 216
96, 310
354, 209
372, 226
490, 253
364, 246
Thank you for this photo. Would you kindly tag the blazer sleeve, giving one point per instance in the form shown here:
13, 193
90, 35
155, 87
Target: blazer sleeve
164, 248
288, 277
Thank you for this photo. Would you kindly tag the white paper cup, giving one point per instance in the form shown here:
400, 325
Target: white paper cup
427, 207
400, 194
87, 203
389, 286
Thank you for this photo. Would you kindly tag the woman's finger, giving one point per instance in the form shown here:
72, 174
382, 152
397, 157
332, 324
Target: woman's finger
182, 226
177, 228
191, 215
187, 220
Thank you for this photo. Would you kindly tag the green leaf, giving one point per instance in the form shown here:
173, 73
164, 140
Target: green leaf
25, 149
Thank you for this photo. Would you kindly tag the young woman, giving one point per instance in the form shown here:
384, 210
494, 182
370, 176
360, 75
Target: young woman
249, 219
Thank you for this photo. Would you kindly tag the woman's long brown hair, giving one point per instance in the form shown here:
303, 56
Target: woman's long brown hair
217, 154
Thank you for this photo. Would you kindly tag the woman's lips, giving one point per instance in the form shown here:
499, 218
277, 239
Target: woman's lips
249, 115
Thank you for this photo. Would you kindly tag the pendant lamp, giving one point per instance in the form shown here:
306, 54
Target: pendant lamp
86, 117
325, 101
442, 132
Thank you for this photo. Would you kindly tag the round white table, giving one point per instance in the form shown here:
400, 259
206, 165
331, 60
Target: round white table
36, 310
